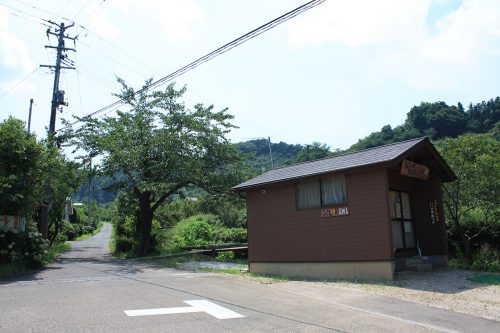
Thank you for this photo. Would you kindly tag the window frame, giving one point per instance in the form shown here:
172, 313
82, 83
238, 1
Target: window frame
321, 200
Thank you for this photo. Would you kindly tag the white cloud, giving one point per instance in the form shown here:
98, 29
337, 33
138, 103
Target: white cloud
358, 22
13, 52
405, 47
101, 25
177, 18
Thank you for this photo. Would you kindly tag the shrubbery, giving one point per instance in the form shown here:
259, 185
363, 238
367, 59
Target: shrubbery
26, 248
486, 259
203, 229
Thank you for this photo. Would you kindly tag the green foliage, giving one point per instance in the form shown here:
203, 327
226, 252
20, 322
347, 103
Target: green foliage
193, 231
486, 259
224, 235
20, 158
438, 120
225, 256
33, 174
26, 249
473, 201
257, 153
312, 152
203, 229
124, 240
158, 146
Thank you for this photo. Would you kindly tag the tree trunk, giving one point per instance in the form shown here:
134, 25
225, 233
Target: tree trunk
465, 241
145, 221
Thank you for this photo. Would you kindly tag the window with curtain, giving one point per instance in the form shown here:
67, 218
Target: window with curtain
328, 191
308, 194
333, 190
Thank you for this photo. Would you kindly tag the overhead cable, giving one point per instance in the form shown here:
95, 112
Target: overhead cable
240, 40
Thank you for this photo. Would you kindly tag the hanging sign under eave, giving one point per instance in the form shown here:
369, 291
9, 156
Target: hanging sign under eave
412, 169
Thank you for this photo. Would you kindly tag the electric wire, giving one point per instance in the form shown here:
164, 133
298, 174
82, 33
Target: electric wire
42, 10
117, 48
19, 82
78, 13
102, 5
27, 16
96, 10
110, 58
232, 44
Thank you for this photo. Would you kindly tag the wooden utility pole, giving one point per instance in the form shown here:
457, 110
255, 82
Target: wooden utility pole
62, 62
61, 58
29, 116
270, 152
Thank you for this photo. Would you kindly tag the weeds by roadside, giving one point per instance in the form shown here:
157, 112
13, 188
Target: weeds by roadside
486, 259
13, 269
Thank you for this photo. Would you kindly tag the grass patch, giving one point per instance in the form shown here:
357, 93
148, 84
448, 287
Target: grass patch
487, 279
55, 250
88, 235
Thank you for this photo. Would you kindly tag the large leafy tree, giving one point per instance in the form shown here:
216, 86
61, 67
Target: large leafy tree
20, 156
473, 201
157, 146
35, 177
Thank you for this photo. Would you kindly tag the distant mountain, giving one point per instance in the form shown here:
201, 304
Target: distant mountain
258, 155
438, 120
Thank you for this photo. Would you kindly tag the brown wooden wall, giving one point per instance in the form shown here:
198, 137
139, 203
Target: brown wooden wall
277, 231
432, 238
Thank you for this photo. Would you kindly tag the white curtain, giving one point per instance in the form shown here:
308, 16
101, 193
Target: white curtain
308, 195
333, 190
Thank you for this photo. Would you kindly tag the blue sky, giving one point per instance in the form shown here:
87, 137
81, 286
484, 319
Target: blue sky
334, 74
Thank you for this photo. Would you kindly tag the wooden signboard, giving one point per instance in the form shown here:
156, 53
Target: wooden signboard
412, 169
12, 223
434, 212
331, 212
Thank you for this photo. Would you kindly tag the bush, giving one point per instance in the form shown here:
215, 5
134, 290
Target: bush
486, 259
25, 248
193, 231
124, 233
229, 235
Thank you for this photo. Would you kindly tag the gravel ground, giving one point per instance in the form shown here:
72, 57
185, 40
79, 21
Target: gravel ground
445, 288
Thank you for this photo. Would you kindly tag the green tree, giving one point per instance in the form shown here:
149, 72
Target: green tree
20, 156
158, 146
312, 152
473, 201
33, 174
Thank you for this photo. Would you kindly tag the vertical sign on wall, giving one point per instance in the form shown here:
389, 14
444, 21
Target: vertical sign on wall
434, 212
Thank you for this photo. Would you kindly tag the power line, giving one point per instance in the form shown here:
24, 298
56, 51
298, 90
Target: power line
28, 16
42, 10
78, 13
240, 40
18, 83
117, 48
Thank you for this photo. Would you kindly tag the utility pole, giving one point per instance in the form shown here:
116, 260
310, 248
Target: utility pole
61, 59
29, 116
270, 152
89, 202
62, 62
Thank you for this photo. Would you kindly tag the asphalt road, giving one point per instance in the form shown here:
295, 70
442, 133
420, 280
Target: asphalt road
87, 290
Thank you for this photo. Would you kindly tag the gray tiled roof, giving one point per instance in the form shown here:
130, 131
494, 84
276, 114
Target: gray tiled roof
386, 153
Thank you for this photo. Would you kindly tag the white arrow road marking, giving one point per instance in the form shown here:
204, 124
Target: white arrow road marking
212, 309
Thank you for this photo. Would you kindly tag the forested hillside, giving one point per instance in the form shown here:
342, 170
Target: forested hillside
437, 121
